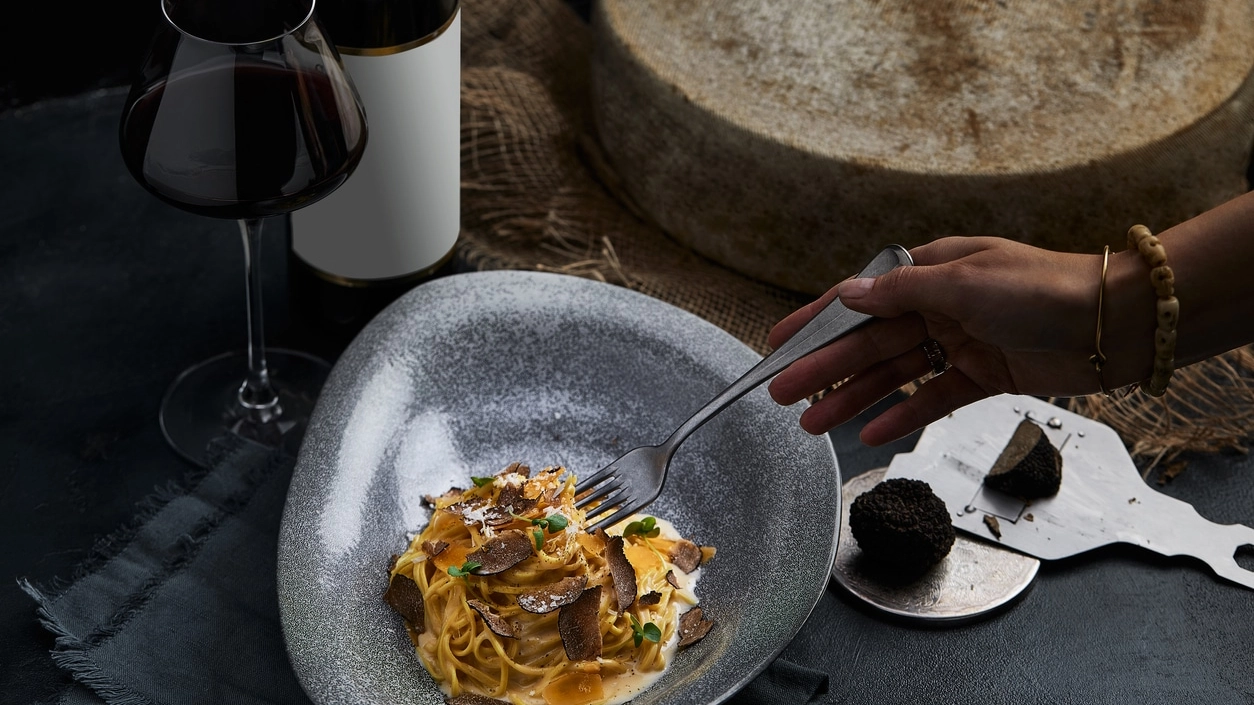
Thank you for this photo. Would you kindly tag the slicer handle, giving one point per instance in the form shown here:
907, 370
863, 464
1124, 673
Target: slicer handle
1187, 533
1228, 539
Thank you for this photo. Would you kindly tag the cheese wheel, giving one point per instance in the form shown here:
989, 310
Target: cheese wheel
791, 141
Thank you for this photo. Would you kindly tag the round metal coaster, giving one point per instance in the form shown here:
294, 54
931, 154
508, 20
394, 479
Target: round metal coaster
975, 580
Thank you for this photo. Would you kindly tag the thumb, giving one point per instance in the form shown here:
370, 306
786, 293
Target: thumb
915, 288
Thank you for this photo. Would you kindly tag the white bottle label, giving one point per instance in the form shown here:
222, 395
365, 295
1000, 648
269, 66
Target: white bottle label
400, 210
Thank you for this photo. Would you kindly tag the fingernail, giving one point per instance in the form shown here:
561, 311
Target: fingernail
855, 288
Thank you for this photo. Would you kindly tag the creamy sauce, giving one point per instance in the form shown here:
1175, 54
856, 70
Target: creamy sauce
623, 688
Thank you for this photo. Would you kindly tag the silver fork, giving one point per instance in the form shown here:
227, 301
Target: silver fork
636, 478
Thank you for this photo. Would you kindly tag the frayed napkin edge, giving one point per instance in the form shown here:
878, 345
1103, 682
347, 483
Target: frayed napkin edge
71, 652
110, 545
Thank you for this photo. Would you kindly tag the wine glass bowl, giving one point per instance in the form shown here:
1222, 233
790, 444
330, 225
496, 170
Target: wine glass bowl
242, 110
238, 123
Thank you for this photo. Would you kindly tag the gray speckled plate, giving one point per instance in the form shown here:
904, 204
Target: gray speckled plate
468, 373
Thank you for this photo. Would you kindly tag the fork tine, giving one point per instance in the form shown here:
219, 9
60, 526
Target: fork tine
587, 483
610, 502
598, 493
623, 512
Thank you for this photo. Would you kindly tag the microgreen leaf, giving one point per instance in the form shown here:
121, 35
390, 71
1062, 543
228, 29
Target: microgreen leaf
538, 535
652, 633
553, 522
646, 527
481, 481
640, 632
463, 571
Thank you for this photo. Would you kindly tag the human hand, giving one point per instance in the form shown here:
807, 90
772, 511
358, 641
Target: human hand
1010, 317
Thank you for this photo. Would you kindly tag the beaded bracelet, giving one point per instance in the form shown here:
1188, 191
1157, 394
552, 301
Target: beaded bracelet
1163, 281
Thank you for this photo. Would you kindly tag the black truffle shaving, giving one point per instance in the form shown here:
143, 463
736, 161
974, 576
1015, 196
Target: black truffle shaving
547, 598
994, 526
497, 517
1029, 467
431, 500
621, 571
501, 552
519, 468
686, 555
511, 500
495, 622
405, 597
902, 527
693, 626
578, 627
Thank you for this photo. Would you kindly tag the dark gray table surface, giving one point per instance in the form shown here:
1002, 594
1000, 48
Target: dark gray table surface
106, 294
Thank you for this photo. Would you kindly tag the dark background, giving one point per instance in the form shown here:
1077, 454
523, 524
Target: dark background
61, 49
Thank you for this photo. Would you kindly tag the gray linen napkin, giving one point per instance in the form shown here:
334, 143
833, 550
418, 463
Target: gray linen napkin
181, 605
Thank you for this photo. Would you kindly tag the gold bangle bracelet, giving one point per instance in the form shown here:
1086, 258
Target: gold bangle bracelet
1162, 278
1098, 359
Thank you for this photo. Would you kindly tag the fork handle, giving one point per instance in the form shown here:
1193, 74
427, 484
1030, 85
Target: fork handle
829, 324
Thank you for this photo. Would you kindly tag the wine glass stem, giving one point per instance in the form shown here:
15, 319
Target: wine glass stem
256, 393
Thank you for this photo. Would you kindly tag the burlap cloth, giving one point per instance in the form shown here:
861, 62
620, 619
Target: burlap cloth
537, 193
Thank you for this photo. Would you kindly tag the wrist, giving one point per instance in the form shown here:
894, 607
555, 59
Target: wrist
1129, 320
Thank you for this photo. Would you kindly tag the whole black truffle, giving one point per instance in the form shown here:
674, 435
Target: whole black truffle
1029, 467
901, 526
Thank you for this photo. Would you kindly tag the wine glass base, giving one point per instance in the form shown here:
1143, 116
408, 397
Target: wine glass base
202, 404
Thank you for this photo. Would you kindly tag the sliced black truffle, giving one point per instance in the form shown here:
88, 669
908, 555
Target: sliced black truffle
511, 500
547, 598
673, 580
686, 555
1029, 466
994, 526
405, 597
473, 699
901, 526
650, 598
501, 552
451, 493
578, 625
621, 571
434, 548
470, 511
519, 468
497, 516
495, 622
693, 627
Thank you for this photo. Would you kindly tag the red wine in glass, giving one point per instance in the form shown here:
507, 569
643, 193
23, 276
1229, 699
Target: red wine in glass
242, 110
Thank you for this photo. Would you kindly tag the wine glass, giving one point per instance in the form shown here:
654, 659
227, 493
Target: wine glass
242, 110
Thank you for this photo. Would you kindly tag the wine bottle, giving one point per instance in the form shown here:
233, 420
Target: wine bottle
394, 223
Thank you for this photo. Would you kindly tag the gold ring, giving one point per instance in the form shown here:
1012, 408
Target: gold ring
935, 355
